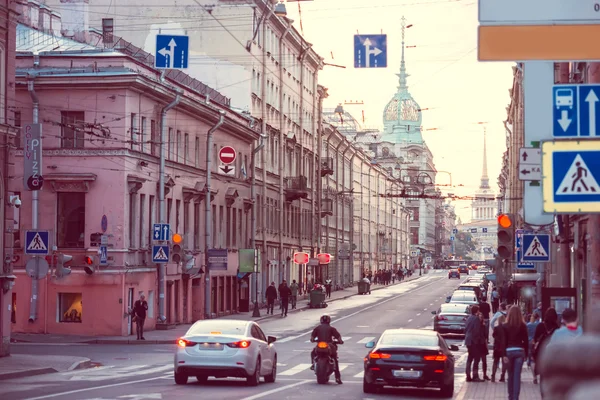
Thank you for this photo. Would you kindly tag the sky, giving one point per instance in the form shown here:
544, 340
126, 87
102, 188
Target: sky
463, 96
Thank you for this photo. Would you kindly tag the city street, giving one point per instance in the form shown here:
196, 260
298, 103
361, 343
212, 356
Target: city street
146, 371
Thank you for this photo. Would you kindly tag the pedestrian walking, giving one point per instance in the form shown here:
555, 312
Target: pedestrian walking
284, 296
294, 297
542, 334
484, 347
499, 349
271, 295
473, 341
328, 284
517, 349
140, 308
495, 300
534, 321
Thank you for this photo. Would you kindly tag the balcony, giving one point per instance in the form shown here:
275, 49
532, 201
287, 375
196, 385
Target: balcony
326, 166
326, 207
295, 188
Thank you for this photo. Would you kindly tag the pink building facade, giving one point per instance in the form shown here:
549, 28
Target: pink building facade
100, 112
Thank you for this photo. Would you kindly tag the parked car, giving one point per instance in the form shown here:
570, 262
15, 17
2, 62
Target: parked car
225, 348
464, 297
473, 286
412, 358
453, 273
463, 269
451, 318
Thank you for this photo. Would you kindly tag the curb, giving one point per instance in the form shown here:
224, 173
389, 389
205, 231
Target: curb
174, 341
27, 373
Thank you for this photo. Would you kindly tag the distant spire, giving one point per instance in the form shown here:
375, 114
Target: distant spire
402, 75
485, 180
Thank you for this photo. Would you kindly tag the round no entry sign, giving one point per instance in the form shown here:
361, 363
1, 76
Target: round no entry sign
227, 155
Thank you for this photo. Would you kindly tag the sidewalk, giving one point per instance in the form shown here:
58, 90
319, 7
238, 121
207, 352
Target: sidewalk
20, 365
171, 335
497, 391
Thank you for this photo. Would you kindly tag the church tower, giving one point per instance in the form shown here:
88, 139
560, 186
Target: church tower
484, 205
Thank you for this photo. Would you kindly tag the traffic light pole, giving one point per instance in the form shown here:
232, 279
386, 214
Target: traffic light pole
161, 202
208, 225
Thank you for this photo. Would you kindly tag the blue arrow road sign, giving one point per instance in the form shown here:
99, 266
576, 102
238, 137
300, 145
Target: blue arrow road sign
576, 112
370, 51
160, 254
571, 176
454, 230
103, 255
484, 230
37, 242
536, 247
160, 232
172, 51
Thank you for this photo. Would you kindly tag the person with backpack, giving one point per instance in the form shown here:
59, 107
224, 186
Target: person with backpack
542, 334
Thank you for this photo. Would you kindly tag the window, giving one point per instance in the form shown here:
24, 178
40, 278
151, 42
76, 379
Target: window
404, 339
197, 153
196, 226
142, 135
170, 145
177, 218
186, 224
71, 219
132, 220
154, 139
17, 122
142, 225
72, 136
169, 208
151, 218
178, 147
186, 149
134, 132
151, 301
69, 307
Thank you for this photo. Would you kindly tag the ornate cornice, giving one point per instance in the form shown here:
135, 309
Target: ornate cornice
192, 194
82, 152
230, 196
135, 183
213, 192
169, 183
70, 182
247, 204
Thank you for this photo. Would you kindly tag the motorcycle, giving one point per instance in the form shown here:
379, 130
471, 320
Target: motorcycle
324, 362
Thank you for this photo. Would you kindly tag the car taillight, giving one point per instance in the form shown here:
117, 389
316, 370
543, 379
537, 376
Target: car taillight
442, 318
322, 345
185, 343
379, 355
243, 344
436, 358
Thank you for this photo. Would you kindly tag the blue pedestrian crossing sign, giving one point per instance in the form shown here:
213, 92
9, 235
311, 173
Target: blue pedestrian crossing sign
172, 51
160, 254
370, 51
454, 230
536, 247
37, 242
103, 255
160, 232
576, 112
519, 246
571, 176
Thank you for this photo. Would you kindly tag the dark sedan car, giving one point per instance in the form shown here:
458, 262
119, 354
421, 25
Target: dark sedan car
412, 358
463, 269
453, 273
451, 318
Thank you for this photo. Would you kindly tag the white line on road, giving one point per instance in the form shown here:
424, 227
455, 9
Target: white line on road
366, 339
369, 307
281, 389
287, 339
418, 314
49, 396
294, 370
410, 320
362, 326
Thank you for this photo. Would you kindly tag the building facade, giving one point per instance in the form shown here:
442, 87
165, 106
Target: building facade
8, 199
102, 144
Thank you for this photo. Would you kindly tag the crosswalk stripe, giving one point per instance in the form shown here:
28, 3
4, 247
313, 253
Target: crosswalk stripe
344, 338
366, 339
359, 375
287, 339
343, 366
295, 370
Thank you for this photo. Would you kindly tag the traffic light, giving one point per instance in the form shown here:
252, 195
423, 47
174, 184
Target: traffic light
91, 262
177, 248
61, 269
506, 236
189, 262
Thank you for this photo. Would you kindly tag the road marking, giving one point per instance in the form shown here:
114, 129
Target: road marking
285, 340
343, 366
424, 309
410, 320
418, 314
281, 365
366, 339
359, 375
371, 307
295, 370
362, 326
344, 338
117, 372
281, 389
49, 396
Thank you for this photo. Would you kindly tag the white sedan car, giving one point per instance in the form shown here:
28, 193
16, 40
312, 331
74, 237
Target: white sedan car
225, 348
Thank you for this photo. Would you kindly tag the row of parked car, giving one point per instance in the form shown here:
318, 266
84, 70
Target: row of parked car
452, 316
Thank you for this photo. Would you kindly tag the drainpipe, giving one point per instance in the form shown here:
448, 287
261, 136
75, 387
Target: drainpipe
207, 211
339, 264
261, 144
281, 151
34, 197
351, 215
349, 147
263, 120
301, 58
161, 197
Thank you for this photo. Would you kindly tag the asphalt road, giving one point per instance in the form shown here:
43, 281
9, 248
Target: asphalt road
146, 372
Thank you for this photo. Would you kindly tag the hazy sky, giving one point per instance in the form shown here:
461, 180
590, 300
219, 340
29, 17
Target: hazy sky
445, 77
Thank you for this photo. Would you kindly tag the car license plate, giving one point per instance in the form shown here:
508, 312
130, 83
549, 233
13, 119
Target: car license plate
456, 327
407, 374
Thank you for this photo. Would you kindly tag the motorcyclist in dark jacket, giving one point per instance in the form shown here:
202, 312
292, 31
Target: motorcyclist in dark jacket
326, 333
